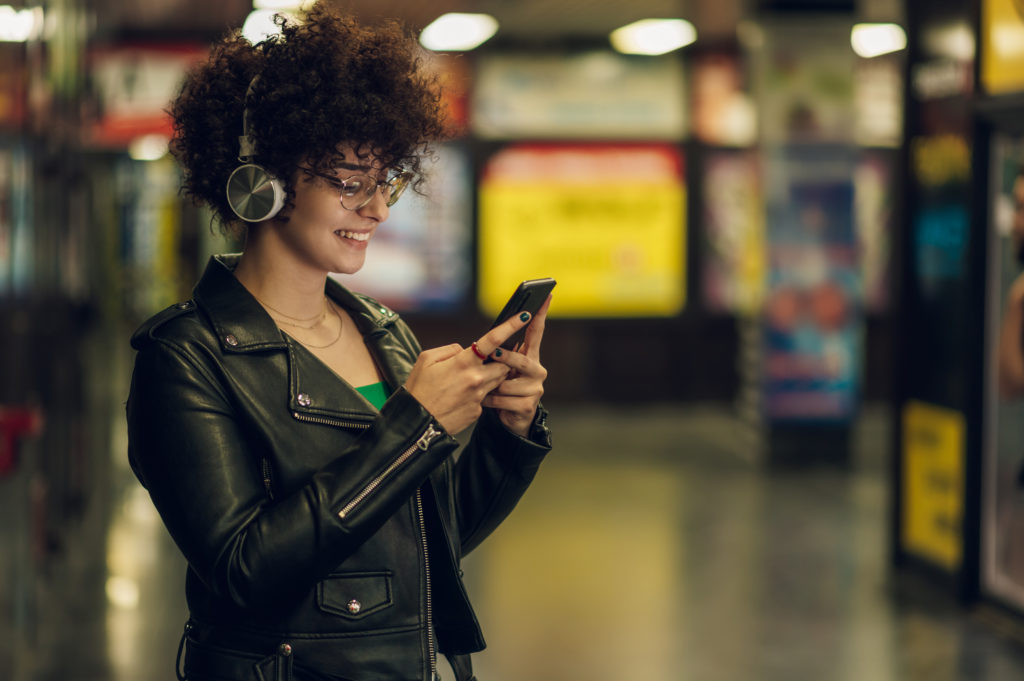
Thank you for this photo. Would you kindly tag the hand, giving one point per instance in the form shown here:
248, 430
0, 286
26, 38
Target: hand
517, 397
451, 382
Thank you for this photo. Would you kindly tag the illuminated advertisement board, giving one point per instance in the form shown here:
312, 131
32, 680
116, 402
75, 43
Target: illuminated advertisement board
931, 513
733, 239
1002, 35
812, 311
590, 95
419, 259
607, 221
1002, 558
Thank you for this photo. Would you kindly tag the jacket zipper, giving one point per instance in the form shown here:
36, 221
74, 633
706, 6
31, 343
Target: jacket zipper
431, 650
421, 444
266, 479
323, 421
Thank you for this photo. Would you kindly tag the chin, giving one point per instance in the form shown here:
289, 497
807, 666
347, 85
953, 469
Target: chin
348, 267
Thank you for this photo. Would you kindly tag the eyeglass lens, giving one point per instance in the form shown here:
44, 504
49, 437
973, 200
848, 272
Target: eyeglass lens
357, 190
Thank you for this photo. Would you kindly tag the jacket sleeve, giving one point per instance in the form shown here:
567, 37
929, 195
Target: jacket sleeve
188, 448
492, 474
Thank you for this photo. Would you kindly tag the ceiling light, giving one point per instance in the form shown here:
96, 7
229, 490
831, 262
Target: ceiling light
653, 36
873, 40
20, 25
260, 25
458, 32
148, 147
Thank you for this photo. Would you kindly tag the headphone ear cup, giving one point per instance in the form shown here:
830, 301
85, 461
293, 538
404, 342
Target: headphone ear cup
254, 194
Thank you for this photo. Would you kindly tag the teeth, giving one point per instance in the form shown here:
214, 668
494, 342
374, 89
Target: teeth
358, 236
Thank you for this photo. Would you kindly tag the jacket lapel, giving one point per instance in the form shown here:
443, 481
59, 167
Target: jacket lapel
243, 326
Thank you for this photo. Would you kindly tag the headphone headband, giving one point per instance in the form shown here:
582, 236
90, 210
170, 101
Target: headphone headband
247, 143
253, 193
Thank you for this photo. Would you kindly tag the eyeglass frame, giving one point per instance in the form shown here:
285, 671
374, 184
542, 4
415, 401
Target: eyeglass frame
405, 176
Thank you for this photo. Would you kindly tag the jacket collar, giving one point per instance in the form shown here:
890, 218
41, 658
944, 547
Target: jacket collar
241, 323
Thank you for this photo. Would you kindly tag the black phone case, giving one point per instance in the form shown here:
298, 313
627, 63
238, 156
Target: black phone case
530, 296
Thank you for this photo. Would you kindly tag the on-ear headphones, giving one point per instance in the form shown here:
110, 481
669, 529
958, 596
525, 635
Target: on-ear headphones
254, 194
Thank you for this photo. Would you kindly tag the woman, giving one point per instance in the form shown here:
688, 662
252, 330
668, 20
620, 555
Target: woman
296, 442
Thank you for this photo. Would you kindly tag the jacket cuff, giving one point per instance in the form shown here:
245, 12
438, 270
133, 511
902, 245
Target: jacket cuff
538, 438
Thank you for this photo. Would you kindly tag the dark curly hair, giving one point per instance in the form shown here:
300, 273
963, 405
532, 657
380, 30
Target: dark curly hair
324, 81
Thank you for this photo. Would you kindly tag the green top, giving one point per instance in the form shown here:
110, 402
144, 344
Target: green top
375, 393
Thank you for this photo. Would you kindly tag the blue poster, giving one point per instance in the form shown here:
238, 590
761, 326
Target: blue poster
812, 317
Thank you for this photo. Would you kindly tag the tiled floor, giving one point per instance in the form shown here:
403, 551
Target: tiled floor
652, 547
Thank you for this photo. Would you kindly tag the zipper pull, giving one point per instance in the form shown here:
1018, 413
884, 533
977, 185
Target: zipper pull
428, 435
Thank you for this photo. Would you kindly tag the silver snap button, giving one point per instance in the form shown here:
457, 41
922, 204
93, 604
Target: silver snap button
285, 649
304, 399
354, 606
184, 306
231, 340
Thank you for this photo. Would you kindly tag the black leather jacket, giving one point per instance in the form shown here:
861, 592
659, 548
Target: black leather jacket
323, 538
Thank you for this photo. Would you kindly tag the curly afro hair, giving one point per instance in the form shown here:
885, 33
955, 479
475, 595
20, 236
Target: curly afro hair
324, 82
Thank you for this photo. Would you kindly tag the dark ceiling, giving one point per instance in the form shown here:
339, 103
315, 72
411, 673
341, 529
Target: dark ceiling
521, 20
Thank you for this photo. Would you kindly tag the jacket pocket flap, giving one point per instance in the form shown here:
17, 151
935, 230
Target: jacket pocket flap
355, 595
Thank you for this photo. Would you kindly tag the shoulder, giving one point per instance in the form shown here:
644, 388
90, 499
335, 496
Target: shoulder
381, 314
180, 321
374, 314
367, 307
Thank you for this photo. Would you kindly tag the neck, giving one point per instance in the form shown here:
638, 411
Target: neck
278, 280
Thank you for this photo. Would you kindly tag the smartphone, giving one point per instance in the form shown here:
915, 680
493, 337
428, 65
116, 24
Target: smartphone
530, 296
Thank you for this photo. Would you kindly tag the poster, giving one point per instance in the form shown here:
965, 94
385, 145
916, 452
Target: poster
733, 239
17, 238
812, 318
874, 210
1002, 46
933, 483
1002, 563
419, 260
151, 235
607, 221
805, 86
723, 110
135, 85
595, 94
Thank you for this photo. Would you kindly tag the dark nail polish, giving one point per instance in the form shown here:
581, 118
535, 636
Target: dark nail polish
497, 353
525, 316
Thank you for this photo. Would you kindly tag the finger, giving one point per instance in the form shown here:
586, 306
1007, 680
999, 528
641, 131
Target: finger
516, 387
495, 374
524, 405
514, 360
535, 332
502, 332
434, 355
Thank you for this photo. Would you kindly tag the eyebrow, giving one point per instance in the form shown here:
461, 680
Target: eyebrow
352, 166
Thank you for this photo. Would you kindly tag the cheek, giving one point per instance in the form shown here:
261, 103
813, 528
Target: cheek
314, 209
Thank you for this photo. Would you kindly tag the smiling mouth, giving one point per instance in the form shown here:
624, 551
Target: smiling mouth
355, 236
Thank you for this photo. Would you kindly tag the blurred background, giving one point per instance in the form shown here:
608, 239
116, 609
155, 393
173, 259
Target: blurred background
781, 234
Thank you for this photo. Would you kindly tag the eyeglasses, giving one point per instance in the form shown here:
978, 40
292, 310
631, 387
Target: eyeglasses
357, 190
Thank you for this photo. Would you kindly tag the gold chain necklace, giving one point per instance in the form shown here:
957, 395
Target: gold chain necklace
316, 319
336, 338
315, 324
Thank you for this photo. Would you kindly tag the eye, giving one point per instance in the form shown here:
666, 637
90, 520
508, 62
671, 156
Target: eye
353, 186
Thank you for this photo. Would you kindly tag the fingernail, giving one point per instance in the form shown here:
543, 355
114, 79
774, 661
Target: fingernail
497, 353
525, 316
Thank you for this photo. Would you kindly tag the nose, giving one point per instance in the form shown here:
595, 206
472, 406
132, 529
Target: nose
376, 208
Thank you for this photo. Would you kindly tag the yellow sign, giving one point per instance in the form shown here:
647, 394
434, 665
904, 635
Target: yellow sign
933, 483
1002, 46
608, 222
